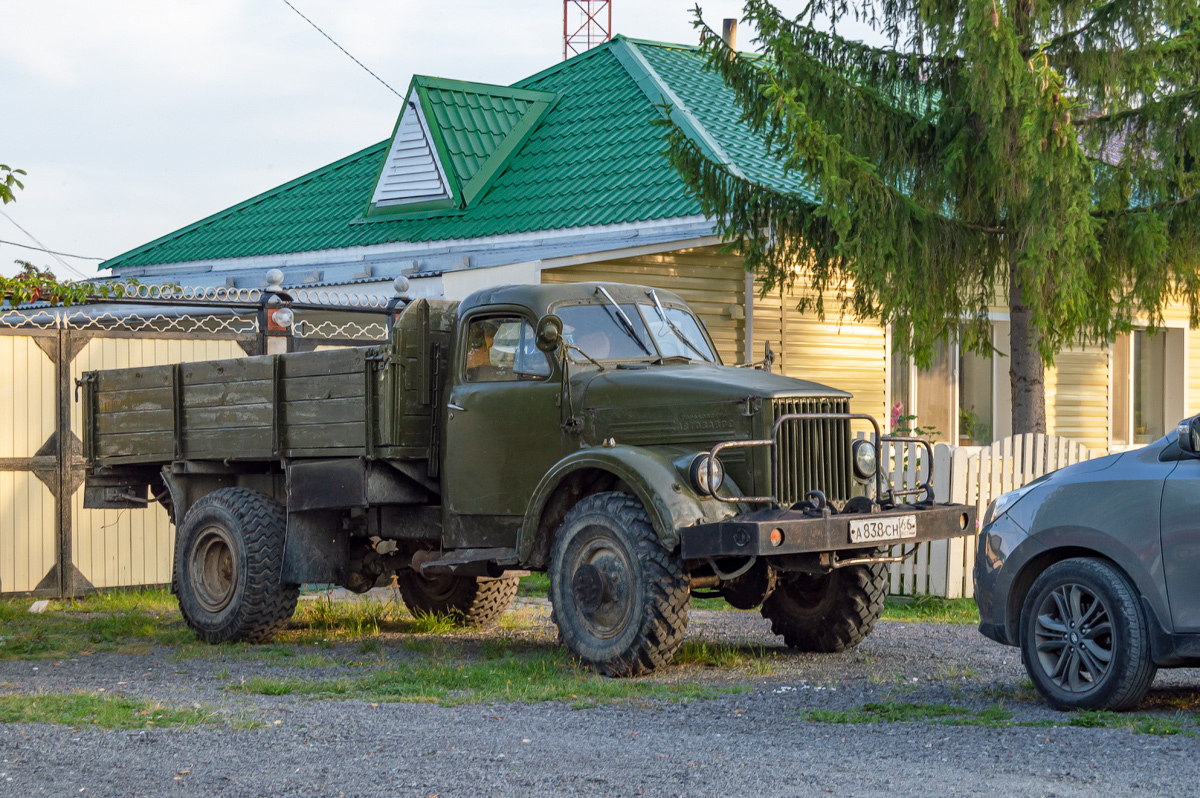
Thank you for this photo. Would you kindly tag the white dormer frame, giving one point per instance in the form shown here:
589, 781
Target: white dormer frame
426, 176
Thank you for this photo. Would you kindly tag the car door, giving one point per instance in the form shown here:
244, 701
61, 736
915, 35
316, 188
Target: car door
1181, 544
503, 428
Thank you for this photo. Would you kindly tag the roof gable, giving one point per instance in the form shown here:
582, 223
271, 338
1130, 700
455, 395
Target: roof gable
450, 142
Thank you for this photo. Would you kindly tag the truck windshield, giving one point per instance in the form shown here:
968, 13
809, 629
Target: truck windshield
597, 330
676, 333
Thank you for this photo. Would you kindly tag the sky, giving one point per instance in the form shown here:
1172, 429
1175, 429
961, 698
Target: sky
134, 118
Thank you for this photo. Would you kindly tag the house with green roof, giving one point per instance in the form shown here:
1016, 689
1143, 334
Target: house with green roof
562, 177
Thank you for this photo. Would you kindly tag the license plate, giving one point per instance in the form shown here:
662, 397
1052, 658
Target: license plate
872, 530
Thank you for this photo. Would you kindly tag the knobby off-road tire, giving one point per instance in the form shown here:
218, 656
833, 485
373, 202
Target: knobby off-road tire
1077, 613
471, 601
229, 567
827, 612
619, 598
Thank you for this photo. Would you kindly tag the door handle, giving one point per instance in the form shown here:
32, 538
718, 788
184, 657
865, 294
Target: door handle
459, 408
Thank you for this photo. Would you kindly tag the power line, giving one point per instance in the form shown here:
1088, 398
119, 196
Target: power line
344, 50
34, 238
47, 251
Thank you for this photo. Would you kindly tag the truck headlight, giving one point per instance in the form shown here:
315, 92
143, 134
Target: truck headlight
700, 474
865, 464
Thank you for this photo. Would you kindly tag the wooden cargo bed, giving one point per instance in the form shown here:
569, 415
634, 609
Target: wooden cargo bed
313, 404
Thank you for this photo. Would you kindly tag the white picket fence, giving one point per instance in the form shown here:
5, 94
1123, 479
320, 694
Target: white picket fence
967, 475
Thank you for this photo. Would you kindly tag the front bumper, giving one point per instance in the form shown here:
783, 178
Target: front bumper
749, 535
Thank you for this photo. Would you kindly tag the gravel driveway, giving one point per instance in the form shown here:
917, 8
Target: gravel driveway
766, 741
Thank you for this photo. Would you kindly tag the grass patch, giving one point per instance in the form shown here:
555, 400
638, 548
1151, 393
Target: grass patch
508, 677
151, 599
523, 620
430, 623
65, 631
931, 609
106, 712
997, 717
347, 618
715, 604
536, 585
724, 655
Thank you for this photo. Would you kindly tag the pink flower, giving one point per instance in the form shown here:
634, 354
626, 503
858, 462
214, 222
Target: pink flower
897, 409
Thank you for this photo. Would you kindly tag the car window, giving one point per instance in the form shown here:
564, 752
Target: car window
687, 342
599, 331
502, 349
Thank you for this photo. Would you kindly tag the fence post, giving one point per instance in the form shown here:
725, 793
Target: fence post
939, 550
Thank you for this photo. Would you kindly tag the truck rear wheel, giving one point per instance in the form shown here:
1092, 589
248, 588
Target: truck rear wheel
827, 612
229, 567
619, 598
472, 601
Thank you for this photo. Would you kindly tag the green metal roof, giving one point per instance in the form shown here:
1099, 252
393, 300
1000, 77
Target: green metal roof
571, 146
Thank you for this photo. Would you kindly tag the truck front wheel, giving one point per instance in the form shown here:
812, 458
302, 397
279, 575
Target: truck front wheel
229, 567
472, 601
827, 612
619, 598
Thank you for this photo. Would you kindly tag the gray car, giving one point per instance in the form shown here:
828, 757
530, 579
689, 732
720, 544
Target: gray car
1094, 572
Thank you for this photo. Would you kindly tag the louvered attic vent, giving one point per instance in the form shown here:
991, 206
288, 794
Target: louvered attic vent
412, 171
451, 141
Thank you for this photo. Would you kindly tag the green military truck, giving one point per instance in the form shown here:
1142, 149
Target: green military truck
587, 430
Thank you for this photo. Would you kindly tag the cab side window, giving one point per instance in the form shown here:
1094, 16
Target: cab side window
502, 349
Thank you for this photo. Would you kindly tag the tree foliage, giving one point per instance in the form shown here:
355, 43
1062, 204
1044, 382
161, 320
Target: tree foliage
1041, 154
34, 284
9, 182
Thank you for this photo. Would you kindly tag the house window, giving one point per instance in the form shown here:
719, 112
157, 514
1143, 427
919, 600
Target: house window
976, 394
953, 400
923, 399
1139, 374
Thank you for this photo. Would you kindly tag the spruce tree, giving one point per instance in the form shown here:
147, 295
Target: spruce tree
1039, 154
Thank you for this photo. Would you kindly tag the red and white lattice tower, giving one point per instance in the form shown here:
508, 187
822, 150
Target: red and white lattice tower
586, 23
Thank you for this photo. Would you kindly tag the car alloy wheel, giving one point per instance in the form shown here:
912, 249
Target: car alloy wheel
1074, 636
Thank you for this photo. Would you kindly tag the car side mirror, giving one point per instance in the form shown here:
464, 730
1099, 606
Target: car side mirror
1189, 436
549, 332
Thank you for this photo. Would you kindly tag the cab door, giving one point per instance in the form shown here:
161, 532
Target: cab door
503, 428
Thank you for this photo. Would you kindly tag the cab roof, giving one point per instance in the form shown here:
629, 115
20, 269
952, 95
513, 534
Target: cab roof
541, 298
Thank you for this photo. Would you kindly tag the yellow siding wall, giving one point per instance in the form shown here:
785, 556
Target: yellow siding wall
1193, 366
840, 353
116, 548
1077, 403
713, 284
27, 516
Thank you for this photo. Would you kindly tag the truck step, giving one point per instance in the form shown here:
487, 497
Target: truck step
465, 562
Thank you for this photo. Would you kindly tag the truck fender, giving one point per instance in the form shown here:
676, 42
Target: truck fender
654, 479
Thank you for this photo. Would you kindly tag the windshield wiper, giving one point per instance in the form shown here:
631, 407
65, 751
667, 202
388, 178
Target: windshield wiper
678, 333
624, 319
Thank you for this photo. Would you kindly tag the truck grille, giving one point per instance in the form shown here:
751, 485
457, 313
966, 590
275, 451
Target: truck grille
812, 454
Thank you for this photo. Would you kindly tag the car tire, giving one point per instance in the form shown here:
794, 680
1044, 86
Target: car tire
1077, 613
229, 567
619, 598
830, 612
471, 601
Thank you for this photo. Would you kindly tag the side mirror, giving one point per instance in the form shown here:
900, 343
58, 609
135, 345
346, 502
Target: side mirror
1189, 436
549, 332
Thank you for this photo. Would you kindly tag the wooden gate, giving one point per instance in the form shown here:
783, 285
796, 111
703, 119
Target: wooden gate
49, 544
